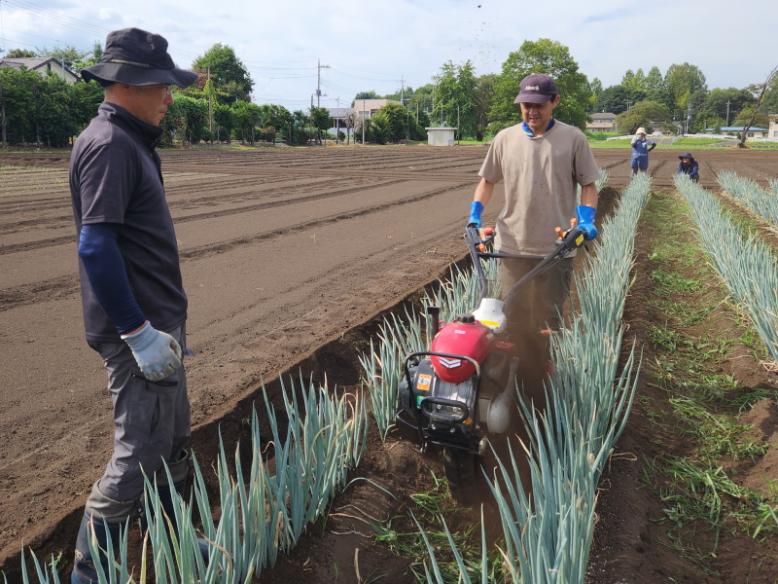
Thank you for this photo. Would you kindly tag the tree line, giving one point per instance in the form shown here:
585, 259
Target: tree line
45, 110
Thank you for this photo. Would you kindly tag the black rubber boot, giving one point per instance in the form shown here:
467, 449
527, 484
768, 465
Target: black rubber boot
84, 571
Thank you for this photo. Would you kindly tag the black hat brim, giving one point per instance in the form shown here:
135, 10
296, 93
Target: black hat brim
134, 75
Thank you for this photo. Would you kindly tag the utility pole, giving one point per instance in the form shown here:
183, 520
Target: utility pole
319, 67
402, 101
210, 105
364, 121
2, 117
458, 132
688, 116
727, 113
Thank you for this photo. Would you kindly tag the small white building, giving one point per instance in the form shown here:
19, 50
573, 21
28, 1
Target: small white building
440, 136
43, 66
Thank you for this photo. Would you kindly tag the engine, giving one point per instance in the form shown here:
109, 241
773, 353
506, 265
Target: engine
443, 394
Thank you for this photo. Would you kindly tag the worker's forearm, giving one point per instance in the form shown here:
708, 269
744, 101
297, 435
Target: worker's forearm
483, 192
589, 195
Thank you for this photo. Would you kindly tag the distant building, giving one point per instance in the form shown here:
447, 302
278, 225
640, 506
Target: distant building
440, 136
772, 129
753, 131
339, 120
367, 108
602, 122
42, 65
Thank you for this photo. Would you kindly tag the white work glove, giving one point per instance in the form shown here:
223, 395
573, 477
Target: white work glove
157, 353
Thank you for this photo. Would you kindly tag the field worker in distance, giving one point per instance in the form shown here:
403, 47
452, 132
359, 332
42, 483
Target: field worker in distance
132, 294
640, 149
540, 162
689, 166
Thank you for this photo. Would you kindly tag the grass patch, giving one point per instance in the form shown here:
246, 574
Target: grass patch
401, 536
705, 402
672, 283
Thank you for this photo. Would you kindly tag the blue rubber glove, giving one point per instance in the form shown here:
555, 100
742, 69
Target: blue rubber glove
585, 217
476, 208
158, 354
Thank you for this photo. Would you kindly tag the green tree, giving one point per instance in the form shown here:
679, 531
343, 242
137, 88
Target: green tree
20, 54
681, 82
649, 114
397, 120
770, 100
455, 97
188, 119
654, 85
365, 95
320, 119
595, 89
747, 115
247, 116
68, 55
379, 129
20, 89
229, 74
634, 82
541, 56
484, 94
615, 99
223, 120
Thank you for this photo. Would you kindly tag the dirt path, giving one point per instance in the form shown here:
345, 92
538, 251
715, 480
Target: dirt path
282, 251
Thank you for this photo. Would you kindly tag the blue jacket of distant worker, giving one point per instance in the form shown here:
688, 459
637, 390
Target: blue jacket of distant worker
640, 149
692, 169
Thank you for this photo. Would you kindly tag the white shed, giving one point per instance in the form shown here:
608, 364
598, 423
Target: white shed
440, 136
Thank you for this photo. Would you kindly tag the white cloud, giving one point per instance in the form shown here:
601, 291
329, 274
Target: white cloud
371, 44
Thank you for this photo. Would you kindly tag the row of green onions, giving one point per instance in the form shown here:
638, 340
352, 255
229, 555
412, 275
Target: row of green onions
761, 201
264, 504
746, 263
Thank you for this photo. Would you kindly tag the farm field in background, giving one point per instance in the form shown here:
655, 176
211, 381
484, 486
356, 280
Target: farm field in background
284, 253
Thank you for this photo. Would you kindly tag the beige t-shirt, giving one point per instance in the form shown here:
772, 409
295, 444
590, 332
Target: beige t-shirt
540, 175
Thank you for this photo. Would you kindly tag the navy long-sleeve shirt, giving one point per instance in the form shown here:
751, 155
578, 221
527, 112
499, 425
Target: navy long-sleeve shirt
692, 169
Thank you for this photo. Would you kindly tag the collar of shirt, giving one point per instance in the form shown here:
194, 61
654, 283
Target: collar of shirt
528, 131
149, 135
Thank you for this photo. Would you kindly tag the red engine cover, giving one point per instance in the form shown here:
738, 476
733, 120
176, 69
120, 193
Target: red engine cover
470, 339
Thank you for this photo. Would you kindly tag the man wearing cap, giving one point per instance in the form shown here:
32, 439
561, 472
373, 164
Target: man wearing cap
689, 166
540, 161
133, 299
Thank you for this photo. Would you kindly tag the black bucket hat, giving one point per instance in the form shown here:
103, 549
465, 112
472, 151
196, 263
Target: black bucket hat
137, 57
686, 155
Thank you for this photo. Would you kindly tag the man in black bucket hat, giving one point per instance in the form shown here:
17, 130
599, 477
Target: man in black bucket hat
131, 288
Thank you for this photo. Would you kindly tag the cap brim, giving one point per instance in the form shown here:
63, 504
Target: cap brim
131, 75
532, 98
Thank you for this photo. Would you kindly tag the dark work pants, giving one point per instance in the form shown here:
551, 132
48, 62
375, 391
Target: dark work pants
530, 317
151, 424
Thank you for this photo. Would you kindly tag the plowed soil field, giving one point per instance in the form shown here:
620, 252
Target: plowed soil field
283, 252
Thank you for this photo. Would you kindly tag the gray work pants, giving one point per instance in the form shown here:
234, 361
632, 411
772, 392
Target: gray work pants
535, 311
151, 424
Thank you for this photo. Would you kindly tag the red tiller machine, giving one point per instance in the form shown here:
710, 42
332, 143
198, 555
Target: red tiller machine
461, 390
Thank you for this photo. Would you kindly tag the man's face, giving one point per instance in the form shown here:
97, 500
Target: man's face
685, 161
151, 102
538, 115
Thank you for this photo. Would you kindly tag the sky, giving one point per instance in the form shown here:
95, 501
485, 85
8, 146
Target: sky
380, 44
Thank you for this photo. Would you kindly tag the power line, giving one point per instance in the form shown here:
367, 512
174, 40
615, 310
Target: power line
74, 23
